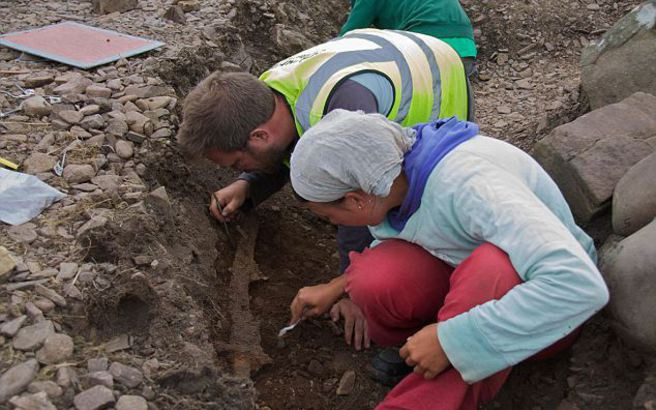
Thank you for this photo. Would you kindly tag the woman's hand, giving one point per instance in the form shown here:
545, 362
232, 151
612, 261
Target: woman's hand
424, 351
315, 300
355, 324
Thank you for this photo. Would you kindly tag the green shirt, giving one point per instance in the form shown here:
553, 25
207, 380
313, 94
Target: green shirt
444, 19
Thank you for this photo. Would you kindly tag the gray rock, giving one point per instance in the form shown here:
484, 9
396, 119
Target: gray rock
50, 294
38, 80
605, 75
39, 162
161, 133
111, 6
136, 137
147, 91
79, 132
90, 109
588, 156
95, 398
46, 305
36, 106
56, 348
66, 377
33, 312
14, 380
98, 364
139, 123
24, 233
49, 387
67, 270
7, 263
290, 41
75, 86
634, 199
95, 90
131, 403
95, 121
75, 174
10, 328
36, 401
71, 116
102, 378
32, 337
175, 14
124, 149
107, 182
93, 223
629, 267
116, 127
126, 375
346, 383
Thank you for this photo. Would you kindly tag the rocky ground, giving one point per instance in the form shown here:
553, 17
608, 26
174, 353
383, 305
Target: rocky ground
126, 293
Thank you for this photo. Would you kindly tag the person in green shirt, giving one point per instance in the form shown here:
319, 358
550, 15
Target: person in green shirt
443, 19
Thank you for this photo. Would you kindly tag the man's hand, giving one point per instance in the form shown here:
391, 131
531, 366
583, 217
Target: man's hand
424, 351
315, 300
355, 324
232, 198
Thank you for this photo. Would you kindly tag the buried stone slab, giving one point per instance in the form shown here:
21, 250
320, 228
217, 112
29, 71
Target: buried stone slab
629, 268
588, 156
634, 199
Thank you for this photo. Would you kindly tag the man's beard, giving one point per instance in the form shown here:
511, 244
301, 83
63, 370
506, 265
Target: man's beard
270, 160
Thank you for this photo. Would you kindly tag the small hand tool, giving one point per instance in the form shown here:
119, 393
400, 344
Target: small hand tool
225, 224
286, 329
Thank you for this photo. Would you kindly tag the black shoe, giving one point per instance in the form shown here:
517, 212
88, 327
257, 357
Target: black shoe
388, 367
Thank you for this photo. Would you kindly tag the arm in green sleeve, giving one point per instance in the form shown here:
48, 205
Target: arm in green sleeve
362, 15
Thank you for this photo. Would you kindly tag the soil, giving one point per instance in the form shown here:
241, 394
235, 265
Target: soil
178, 308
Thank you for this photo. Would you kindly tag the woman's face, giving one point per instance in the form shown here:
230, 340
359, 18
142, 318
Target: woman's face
355, 209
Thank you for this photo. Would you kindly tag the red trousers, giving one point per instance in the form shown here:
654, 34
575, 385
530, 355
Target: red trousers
401, 288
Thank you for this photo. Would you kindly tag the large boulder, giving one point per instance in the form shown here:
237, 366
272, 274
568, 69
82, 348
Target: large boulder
623, 61
588, 156
634, 199
629, 268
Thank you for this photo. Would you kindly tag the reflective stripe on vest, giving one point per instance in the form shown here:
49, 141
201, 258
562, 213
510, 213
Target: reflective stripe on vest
426, 74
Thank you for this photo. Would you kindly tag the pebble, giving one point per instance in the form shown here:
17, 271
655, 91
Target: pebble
32, 337
93, 223
33, 312
131, 403
95, 398
97, 364
95, 121
66, 377
39, 162
90, 109
126, 375
51, 388
116, 127
10, 328
161, 133
78, 173
103, 378
67, 270
36, 106
346, 383
25, 233
50, 294
71, 116
98, 91
7, 262
56, 348
38, 80
124, 149
14, 380
46, 305
36, 401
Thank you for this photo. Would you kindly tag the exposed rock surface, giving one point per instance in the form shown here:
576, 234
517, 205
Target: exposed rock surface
14, 380
634, 199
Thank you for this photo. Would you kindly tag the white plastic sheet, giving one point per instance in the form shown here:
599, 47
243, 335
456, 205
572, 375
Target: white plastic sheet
23, 196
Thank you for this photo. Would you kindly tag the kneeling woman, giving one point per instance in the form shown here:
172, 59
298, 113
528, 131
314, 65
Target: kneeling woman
477, 263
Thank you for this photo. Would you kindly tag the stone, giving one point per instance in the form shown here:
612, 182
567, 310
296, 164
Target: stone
588, 156
67, 270
75, 86
38, 163
7, 263
139, 123
90, 109
161, 133
629, 268
24, 233
126, 375
175, 14
606, 77
97, 364
154, 103
95, 398
102, 378
93, 223
107, 182
36, 106
75, 174
16, 379
112, 6
124, 149
634, 199
645, 397
189, 5
71, 116
346, 383
38, 80
116, 127
131, 403
148, 91
95, 121
136, 137
32, 337
95, 90
50, 294
66, 377
49, 387
290, 41
10, 328
34, 313
46, 305
315, 368
36, 401
79, 132
56, 348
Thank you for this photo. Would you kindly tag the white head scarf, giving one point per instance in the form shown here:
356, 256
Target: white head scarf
347, 151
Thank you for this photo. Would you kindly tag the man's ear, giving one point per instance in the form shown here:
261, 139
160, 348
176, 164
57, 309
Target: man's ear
258, 138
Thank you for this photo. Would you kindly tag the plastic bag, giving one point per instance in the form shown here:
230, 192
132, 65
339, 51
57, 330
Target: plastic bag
23, 196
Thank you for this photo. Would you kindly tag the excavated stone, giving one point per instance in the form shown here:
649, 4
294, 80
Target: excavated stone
97, 364
346, 383
111, 6
606, 77
7, 263
24, 233
107, 182
90, 109
95, 90
16, 379
634, 199
95, 398
124, 149
131, 403
126, 375
588, 156
78, 173
75, 86
102, 378
36, 401
56, 348
67, 270
49, 387
38, 163
95, 121
38, 80
46, 305
32, 337
36, 106
10, 328
50, 294
629, 268
66, 377
116, 127
71, 116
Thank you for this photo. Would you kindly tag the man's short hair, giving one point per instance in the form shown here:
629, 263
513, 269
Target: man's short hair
222, 110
